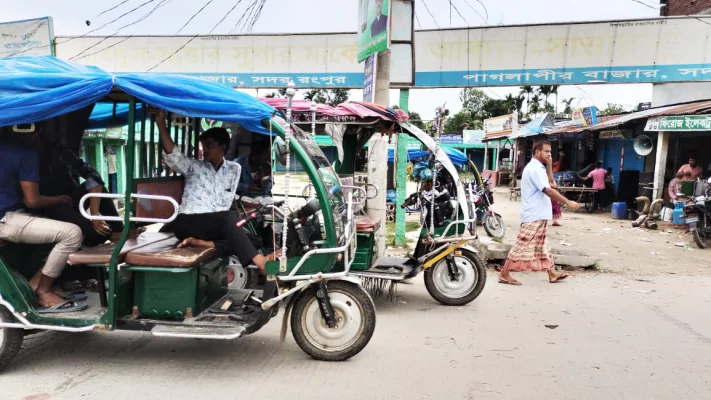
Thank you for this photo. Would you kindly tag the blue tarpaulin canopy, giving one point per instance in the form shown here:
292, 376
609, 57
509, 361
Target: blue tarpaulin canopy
34, 89
104, 115
457, 157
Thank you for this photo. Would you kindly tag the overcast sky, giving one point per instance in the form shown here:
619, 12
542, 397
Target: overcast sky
283, 16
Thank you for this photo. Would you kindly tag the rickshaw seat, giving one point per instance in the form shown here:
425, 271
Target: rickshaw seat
102, 254
165, 254
365, 224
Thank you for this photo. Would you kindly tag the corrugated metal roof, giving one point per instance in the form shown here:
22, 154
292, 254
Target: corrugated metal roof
614, 121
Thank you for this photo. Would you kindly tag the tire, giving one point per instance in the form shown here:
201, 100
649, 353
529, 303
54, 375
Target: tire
494, 226
700, 236
10, 339
473, 275
352, 305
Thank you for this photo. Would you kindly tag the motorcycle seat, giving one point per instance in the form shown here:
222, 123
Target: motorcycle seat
165, 254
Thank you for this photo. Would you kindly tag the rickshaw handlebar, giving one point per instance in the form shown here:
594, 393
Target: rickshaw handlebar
82, 208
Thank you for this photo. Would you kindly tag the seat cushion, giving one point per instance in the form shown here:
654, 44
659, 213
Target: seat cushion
166, 254
102, 254
365, 224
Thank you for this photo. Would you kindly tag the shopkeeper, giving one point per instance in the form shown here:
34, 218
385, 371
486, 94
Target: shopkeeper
691, 171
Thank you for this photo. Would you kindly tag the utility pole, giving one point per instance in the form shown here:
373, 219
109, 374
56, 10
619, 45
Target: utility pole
378, 153
401, 174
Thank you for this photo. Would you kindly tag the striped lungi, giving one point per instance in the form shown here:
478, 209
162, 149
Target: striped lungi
531, 251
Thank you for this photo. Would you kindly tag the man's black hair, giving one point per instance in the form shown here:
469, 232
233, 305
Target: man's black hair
219, 135
598, 164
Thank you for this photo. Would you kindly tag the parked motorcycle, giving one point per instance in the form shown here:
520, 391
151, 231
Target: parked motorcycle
698, 217
483, 199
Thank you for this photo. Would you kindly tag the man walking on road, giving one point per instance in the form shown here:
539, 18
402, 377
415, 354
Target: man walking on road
531, 251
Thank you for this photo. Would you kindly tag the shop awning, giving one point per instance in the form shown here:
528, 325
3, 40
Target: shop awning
538, 126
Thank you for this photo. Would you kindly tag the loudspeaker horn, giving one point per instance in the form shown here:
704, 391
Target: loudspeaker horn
643, 145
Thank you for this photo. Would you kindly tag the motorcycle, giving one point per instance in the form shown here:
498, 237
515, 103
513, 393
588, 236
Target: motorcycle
698, 217
483, 199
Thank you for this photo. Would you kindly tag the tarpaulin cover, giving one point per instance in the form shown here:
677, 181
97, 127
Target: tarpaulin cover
37, 88
103, 115
457, 157
195, 97
34, 89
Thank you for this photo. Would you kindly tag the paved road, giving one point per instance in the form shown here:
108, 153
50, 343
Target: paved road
617, 338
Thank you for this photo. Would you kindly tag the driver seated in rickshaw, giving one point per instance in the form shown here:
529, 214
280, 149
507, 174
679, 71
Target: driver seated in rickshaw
205, 218
256, 175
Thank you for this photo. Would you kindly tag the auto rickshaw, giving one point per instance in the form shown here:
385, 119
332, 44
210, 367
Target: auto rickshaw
454, 273
146, 283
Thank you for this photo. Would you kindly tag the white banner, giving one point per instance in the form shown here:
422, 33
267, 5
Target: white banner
32, 37
657, 50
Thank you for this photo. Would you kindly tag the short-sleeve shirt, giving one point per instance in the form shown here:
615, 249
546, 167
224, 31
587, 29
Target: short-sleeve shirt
17, 164
598, 177
535, 205
695, 172
206, 190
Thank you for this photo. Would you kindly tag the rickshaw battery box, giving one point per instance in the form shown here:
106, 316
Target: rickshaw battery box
170, 292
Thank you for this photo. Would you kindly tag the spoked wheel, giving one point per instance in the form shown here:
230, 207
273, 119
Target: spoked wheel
459, 283
494, 226
354, 312
700, 237
10, 339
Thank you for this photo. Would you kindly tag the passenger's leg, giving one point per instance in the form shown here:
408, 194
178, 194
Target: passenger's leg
24, 228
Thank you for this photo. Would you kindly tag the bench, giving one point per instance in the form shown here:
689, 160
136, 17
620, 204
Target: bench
164, 253
101, 255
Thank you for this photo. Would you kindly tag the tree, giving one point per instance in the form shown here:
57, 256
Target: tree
496, 107
416, 120
528, 92
473, 101
535, 106
548, 107
545, 91
554, 90
568, 105
612, 109
279, 94
332, 97
460, 121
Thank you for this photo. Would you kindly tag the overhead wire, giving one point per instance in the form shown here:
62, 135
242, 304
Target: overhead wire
254, 16
645, 4
112, 8
226, 15
424, 2
116, 33
418, 21
457, 10
476, 11
194, 15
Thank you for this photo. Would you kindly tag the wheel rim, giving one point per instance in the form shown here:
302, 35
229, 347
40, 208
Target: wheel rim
350, 322
240, 279
494, 225
468, 278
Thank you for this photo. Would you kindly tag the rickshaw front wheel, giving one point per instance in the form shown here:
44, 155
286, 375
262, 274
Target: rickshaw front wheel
354, 313
461, 289
10, 339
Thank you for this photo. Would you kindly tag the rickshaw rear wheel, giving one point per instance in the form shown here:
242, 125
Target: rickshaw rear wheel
468, 285
10, 339
354, 312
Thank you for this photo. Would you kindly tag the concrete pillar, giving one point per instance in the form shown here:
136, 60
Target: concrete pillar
486, 156
378, 148
660, 164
